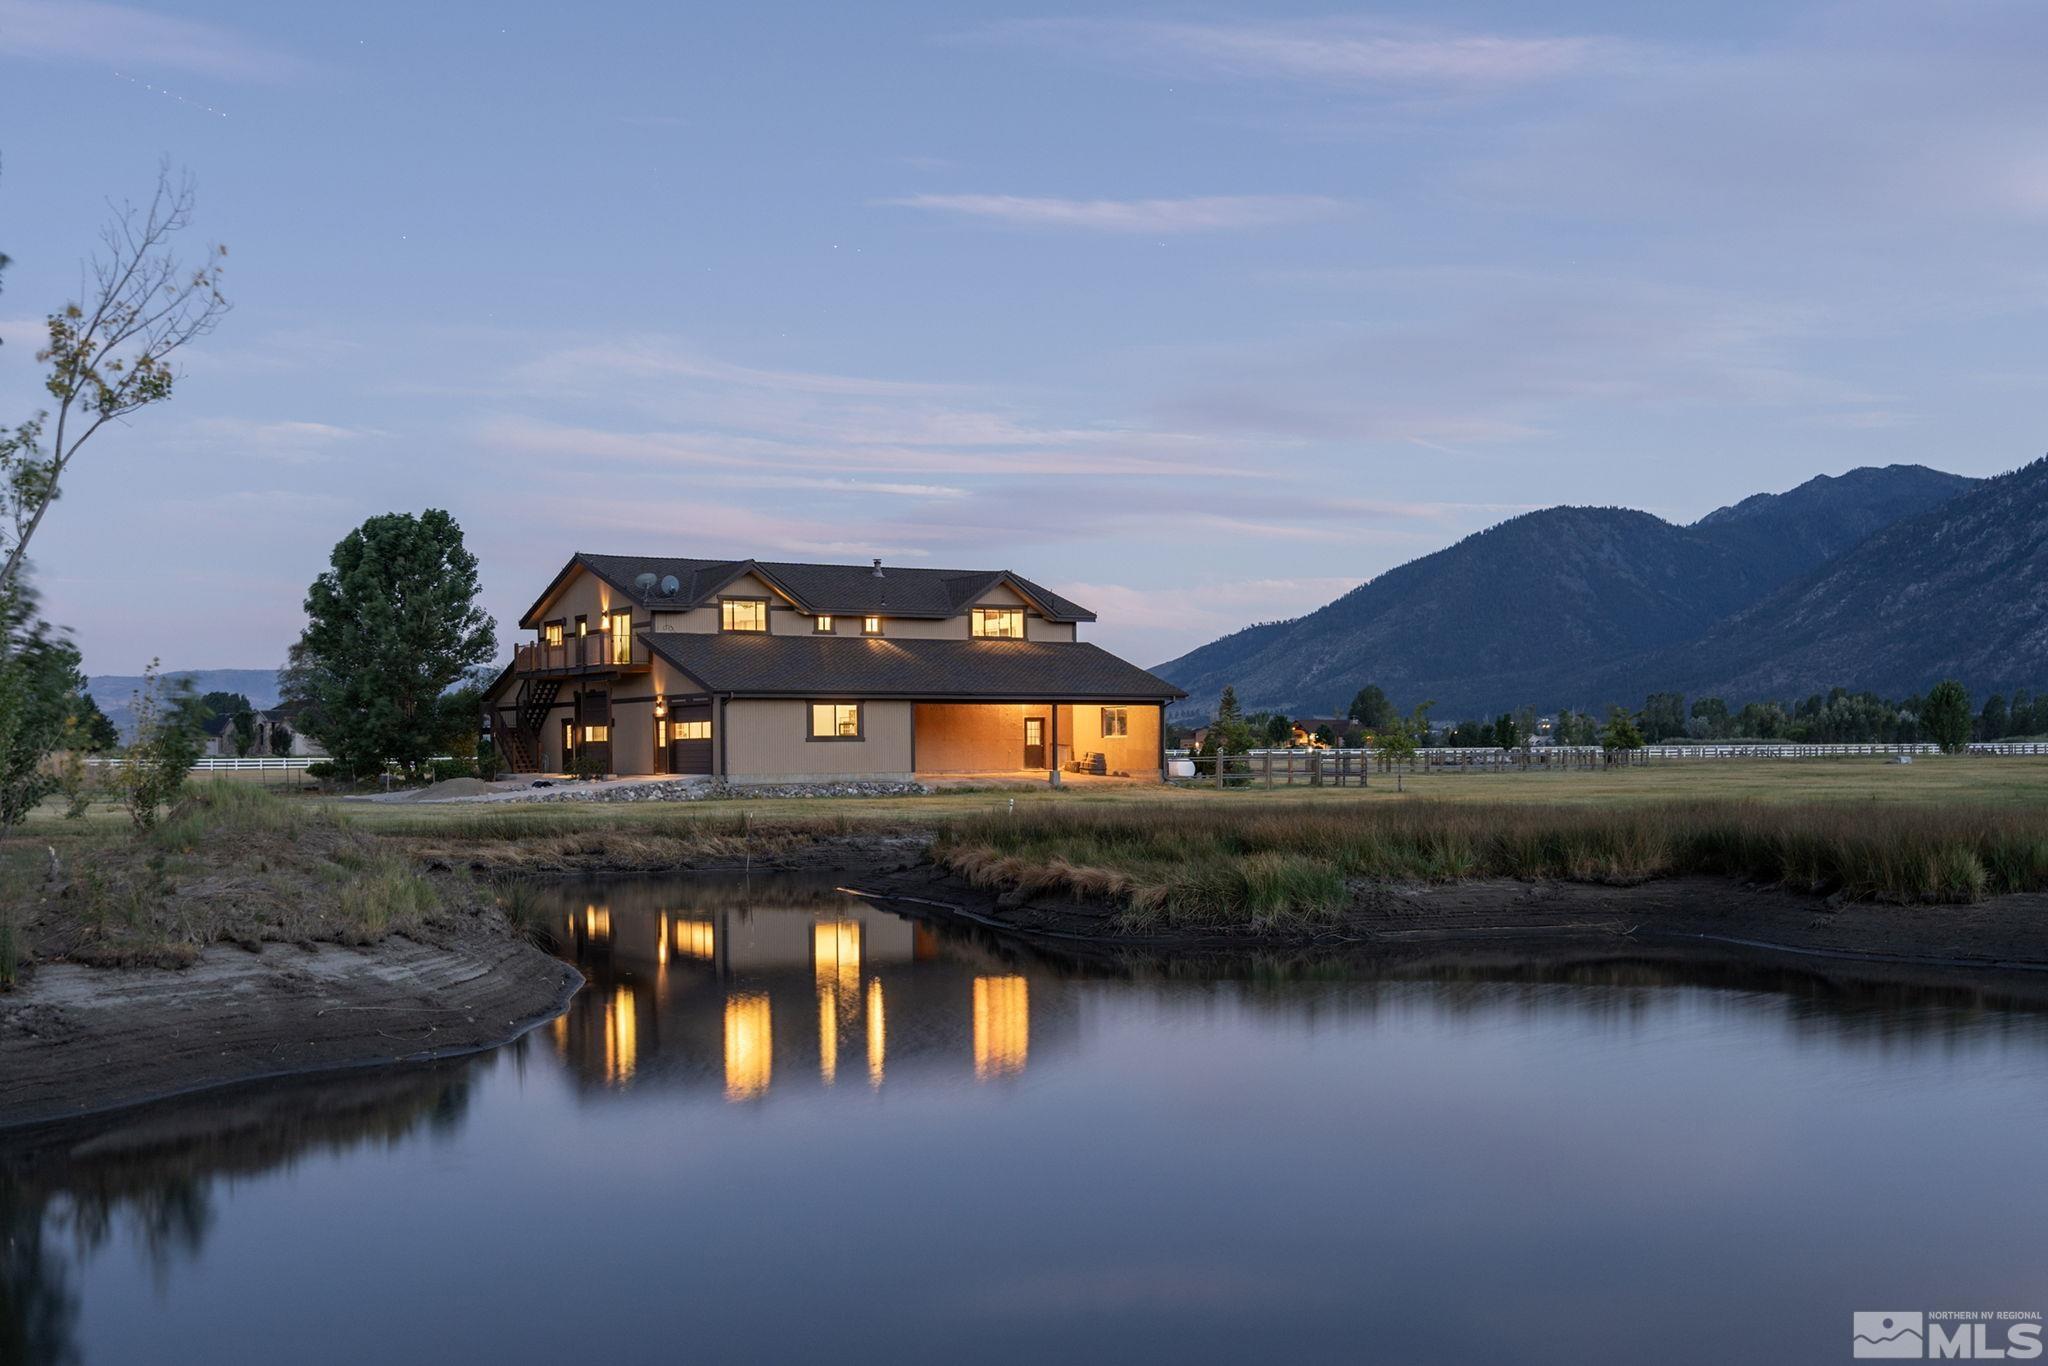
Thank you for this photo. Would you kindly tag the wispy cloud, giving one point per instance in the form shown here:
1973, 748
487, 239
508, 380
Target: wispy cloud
1352, 52
289, 441
1149, 217
124, 35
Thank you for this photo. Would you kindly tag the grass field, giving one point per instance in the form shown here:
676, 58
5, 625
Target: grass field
1940, 828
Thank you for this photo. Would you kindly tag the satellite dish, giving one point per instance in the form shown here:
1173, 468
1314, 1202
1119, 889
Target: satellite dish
644, 582
670, 585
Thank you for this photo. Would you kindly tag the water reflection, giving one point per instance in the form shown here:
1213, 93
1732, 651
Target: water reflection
778, 981
150, 1178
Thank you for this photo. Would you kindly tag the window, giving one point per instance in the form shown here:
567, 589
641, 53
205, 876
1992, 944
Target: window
597, 735
742, 614
582, 627
871, 626
551, 634
1116, 721
619, 626
822, 625
999, 623
693, 730
835, 721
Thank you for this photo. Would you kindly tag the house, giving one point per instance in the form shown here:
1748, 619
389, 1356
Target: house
757, 671
1307, 728
268, 727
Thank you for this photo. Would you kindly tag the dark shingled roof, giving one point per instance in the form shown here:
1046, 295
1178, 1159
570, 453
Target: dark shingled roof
849, 590
752, 665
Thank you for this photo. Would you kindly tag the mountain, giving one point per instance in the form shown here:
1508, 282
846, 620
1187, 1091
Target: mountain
116, 692
1957, 592
1541, 605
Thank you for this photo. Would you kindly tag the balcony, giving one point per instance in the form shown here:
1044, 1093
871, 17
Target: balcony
592, 654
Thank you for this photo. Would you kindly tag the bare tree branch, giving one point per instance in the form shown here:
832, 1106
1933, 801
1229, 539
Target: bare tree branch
110, 356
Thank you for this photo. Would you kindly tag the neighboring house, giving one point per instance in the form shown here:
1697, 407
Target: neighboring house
769, 672
1307, 727
222, 746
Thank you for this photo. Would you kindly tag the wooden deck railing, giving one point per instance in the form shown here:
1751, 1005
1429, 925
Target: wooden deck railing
583, 653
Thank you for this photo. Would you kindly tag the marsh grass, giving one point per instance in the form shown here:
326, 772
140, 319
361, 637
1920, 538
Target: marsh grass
1186, 865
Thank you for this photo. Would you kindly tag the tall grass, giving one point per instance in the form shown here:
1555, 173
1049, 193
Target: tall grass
1183, 864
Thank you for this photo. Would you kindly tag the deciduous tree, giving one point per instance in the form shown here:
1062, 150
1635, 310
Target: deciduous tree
391, 627
1945, 715
110, 353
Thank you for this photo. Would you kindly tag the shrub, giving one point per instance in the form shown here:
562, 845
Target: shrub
489, 764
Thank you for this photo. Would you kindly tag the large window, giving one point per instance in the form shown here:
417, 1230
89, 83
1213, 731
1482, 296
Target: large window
999, 623
742, 614
1116, 721
835, 721
620, 629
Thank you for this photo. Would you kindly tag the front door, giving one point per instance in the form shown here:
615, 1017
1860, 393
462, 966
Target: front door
1034, 742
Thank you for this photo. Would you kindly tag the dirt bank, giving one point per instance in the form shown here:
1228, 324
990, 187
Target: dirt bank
1999, 946
74, 1040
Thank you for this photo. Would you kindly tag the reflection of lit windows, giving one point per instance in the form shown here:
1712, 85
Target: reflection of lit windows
742, 614
835, 955
999, 623
1116, 721
828, 1035
621, 1036
1002, 1025
693, 939
597, 922
692, 730
749, 1046
877, 1032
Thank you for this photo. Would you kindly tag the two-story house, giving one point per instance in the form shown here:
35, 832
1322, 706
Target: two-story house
768, 672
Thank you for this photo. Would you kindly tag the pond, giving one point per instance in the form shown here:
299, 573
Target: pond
783, 1123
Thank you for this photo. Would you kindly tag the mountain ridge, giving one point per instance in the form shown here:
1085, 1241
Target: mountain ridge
1553, 600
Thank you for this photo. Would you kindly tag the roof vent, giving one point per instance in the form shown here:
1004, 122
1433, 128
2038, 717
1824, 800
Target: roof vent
670, 585
877, 571
644, 582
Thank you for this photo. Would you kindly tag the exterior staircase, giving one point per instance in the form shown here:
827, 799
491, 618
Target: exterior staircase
521, 741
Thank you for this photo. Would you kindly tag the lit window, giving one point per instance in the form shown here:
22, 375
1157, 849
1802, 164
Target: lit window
835, 720
871, 626
596, 735
582, 627
999, 623
620, 628
692, 730
552, 633
1116, 721
822, 625
742, 614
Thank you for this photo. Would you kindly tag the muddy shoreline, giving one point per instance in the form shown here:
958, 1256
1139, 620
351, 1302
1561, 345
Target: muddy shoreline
78, 1041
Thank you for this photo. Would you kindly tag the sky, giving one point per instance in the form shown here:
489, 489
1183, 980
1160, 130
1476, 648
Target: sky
1200, 315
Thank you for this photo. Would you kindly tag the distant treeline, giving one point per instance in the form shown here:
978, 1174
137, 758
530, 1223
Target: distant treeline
1944, 715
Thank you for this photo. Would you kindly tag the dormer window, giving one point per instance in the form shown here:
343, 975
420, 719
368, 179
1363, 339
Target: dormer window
822, 625
742, 614
999, 623
871, 626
